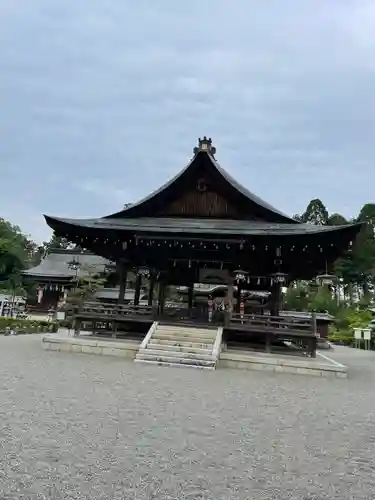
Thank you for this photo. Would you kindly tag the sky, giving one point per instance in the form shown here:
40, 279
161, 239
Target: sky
101, 102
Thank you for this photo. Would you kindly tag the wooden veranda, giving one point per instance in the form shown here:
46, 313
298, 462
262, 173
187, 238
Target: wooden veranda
118, 319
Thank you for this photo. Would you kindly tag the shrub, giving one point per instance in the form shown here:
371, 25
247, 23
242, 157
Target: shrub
346, 337
27, 326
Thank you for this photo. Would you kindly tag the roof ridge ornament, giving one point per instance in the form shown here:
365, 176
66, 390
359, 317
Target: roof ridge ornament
205, 145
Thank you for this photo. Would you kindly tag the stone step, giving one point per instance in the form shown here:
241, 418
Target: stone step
175, 354
185, 338
175, 347
180, 343
174, 329
174, 365
174, 359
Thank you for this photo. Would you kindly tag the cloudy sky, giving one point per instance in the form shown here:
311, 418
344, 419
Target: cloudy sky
102, 101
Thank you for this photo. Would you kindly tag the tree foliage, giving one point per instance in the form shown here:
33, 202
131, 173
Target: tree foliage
357, 266
87, 284
17, 252
336, 220
315, 213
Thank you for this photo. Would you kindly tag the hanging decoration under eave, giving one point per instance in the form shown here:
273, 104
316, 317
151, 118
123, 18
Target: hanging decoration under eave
240, 276
144, 272
278, 277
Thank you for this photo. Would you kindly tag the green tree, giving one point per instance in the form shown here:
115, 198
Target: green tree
297, 298
16, 253
367, 214
87, 284
323, 301
336, 220
315, 213
56, 243
357, 266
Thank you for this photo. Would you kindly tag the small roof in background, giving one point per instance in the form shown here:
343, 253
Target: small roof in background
307, 315
55, 265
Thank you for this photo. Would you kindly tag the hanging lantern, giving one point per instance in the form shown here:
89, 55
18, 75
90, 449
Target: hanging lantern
144, 272
240, 276
74, 265
279, 278
326, 279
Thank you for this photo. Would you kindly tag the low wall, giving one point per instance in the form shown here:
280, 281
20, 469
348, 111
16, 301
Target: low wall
281, 364
91, 345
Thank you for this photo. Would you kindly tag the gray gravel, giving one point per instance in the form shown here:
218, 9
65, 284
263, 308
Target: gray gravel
89, 427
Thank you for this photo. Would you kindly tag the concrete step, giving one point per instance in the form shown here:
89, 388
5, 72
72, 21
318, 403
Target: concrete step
175, 354
175, 347
174, 359
180, 338
180, 343
175, 365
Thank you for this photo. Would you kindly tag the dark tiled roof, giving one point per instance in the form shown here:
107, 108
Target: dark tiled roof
199, 226
56, 264
128, 211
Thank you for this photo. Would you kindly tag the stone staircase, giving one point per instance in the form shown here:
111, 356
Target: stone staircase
182, 346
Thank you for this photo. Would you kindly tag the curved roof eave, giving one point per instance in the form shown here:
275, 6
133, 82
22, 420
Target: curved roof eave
200, 226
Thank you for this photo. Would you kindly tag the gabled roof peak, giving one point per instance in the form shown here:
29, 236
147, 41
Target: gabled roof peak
205, 145
204, 167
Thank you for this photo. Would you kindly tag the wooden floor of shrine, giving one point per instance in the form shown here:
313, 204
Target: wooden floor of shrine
247, 331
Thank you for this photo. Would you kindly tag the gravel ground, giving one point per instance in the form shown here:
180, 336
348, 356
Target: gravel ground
76, 426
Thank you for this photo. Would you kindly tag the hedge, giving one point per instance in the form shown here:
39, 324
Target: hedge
26, 326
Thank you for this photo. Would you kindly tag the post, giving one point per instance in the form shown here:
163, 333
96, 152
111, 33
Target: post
137, 293
76, 322
275, 299
151, 285
210, 308
190, 298
313, 340
242, 307
239, 295
230, 300
313, 322
123, 274
162, 297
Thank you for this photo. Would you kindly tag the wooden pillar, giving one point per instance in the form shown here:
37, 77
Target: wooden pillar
123, 274
275, 299
239, 293
190, 298
163, 287
160, 297
151, 289
137, 294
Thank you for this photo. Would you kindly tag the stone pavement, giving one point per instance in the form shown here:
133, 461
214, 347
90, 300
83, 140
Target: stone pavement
83, 427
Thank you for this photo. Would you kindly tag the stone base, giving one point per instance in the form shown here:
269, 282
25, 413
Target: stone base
318, 367
89, 344
321, 366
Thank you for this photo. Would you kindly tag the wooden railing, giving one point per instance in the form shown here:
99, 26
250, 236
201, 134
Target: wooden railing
303, 331
102, 310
